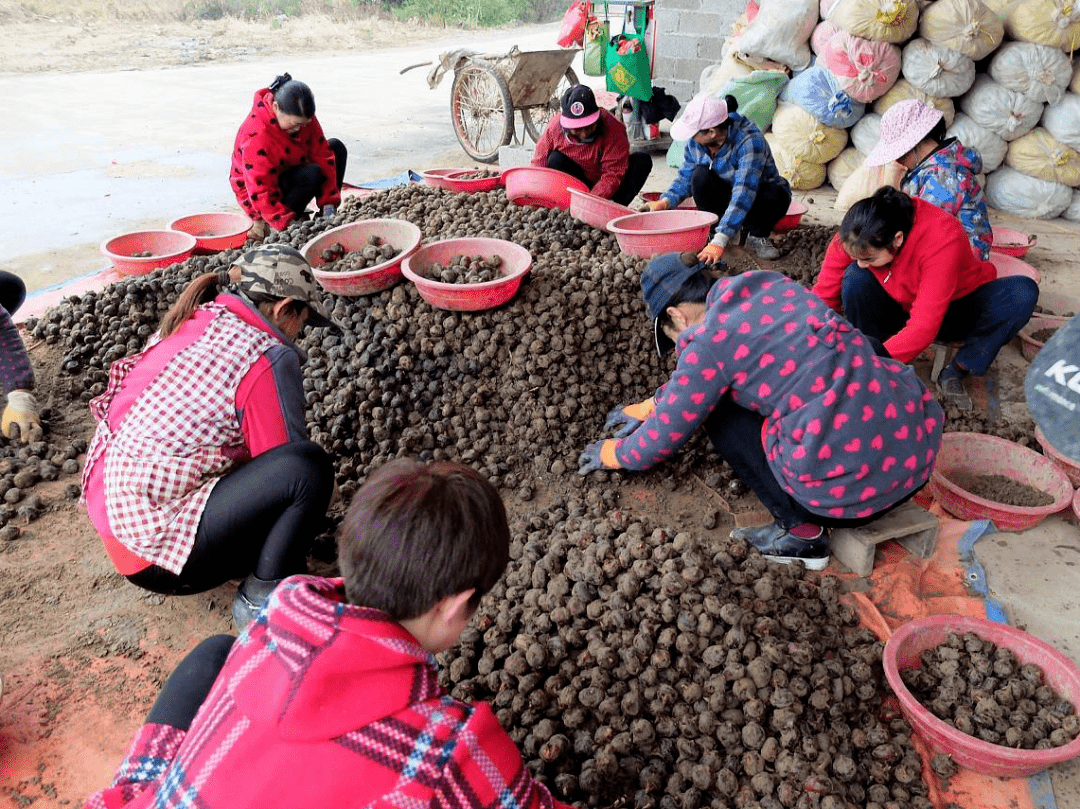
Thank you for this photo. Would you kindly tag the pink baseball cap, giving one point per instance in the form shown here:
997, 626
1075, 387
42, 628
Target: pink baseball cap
703, 112
903, 126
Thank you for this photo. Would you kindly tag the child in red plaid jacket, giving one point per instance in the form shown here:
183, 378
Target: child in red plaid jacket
330, 697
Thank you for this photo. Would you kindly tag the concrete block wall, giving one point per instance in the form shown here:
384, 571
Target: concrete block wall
689, 36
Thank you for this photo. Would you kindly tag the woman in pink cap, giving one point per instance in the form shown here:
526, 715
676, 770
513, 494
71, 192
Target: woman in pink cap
729, 170
940, 170
591, 145
902, 271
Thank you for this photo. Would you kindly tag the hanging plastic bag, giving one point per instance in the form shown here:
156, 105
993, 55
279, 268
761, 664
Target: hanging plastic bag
572, 30
626, 63
597, 34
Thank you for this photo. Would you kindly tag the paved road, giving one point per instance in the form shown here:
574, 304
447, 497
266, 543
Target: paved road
90, 155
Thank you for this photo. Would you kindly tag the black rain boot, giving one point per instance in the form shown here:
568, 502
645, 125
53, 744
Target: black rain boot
250, 598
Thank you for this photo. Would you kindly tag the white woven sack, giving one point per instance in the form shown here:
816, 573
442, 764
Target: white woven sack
827, 7
866, 132
806, 138
864, 181
800, 173
1046, 22
1072, 213
936, 69
842, 166
781, 32
879, 20
1074, 85
1011, 191
1003, 111
990, 146
967, 26
1039, 154
1038, 71
1062, 120
903, 90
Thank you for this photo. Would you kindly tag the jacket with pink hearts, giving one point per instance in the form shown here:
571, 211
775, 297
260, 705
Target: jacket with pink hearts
847, 433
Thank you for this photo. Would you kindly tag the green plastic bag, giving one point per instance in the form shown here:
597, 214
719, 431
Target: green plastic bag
627, 66
757, 93
597, 33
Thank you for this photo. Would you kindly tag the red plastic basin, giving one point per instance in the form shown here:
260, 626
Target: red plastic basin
1007, 265
165, 247
980, 454
405, 236
460, 181
1070, 467
540, 186
1029, 346
902, 652
439, 177
214, 231
594, 210
517, 261
790, 220
647, 234
1012, 242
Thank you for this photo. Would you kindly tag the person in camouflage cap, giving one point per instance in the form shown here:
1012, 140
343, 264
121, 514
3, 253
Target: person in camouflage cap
200, 470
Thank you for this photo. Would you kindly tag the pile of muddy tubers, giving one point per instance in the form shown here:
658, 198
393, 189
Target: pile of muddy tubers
375, 252
462, 269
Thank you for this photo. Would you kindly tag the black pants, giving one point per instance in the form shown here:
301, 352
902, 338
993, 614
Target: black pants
735, 433
260, 518
12, 292
637, 172
301, 184
713, 194
188, 686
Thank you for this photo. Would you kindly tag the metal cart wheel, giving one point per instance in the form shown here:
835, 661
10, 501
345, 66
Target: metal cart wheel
482, 112
536, 119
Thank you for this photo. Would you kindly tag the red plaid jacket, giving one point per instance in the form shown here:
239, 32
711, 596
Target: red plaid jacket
322, 703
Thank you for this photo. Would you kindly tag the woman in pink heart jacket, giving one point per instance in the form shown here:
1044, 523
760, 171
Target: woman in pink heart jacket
825, 431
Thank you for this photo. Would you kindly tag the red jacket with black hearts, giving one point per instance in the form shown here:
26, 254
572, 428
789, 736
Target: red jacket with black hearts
263, 150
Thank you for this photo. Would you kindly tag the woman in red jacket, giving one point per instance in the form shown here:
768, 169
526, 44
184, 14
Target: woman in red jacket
281, 159
902, 271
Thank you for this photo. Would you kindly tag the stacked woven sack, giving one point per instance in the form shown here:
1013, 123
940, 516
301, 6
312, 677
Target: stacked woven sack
1000, 74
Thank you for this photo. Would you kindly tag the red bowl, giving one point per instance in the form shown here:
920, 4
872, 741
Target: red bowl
977, 453
594, 210
902, 652
405, 236
540, 186
1029, 346
459, 181
165, 247
647, 234
1070, 467
1007, 265
214, 231
440, 177
790, 220
1012, 242
517, 261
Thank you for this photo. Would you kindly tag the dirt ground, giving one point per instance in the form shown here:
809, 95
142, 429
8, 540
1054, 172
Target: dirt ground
84, 652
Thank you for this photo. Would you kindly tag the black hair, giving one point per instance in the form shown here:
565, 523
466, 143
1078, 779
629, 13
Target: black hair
293, 97
874, 222
732, 106
937, 134
695, 289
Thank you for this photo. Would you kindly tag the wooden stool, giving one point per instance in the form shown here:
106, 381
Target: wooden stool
912, 526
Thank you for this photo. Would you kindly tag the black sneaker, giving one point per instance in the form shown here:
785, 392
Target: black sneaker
779, 545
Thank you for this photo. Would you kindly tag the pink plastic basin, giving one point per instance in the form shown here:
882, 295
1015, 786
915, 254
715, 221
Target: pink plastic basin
646, 234
439, 177
980, 454
517, 261
1070, 467
540, 186
459, 181
405, 236
790, 220
902, 652
594, 210
1029, 346
165, 247
1007, 265
1012, 242
653, 196
214, 231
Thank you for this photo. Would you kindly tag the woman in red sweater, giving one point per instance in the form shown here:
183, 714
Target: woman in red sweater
902, 271
281, 159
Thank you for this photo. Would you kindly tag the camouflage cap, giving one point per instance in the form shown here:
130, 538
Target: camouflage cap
282, 271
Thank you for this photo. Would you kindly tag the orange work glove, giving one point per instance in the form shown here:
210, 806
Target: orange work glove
711, 254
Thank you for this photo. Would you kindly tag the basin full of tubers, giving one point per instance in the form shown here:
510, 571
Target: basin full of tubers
361, 258
468, 275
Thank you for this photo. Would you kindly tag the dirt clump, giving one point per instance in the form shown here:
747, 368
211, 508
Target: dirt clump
1000, 489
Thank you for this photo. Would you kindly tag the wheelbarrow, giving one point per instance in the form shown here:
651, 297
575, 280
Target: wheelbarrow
489, 88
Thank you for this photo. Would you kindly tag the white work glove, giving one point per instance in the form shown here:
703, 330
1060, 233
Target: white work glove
21, 410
